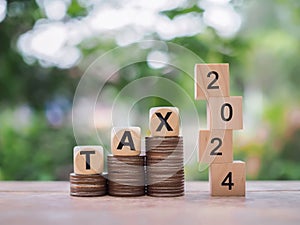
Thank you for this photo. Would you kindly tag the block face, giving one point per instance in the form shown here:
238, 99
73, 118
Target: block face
215, 146
228, 179
211, 80
164, 121
88, 160
126, 141
225, 113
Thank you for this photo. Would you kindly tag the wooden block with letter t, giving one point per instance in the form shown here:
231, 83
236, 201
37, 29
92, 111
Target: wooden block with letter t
215, 146
164, 121
225, 113
211, 80
228, 179
126, 141
88, 160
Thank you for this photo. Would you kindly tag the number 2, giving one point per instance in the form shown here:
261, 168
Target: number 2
229, 183
214, 151
211, 84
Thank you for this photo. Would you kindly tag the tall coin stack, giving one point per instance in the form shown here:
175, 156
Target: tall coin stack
88, 179
126, 167
225, 114
164, 154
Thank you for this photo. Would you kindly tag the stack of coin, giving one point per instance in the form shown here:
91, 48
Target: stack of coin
126, 175
88, 179
164, 160
88, 185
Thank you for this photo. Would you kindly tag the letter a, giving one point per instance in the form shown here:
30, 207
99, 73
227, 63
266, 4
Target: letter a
126, 135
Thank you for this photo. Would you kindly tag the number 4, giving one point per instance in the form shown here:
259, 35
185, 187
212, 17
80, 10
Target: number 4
229, 182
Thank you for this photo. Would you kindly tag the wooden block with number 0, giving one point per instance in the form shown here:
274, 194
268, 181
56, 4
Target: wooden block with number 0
225, 113
211, 80
126, 141
215, 146
88, 160
228, 179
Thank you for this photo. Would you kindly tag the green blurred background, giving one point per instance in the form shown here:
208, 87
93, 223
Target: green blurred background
45, 47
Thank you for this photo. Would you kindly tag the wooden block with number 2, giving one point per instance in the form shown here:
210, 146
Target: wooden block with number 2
215, 146
211, 80
228, 179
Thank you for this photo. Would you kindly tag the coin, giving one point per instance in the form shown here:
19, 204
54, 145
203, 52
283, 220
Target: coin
164, 166
126, 175
88, 185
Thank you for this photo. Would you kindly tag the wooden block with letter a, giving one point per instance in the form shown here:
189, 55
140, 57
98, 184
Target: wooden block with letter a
126, 141
88, 160
215, 146
164, 121
211, 80
228, 179
225, 113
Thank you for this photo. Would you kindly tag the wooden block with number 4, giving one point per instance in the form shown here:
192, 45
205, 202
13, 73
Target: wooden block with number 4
211, 80
225, 113
126, 141
215, 146
164, 121
88, 160
228, 179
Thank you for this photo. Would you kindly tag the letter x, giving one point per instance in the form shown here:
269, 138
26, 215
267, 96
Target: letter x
163, 121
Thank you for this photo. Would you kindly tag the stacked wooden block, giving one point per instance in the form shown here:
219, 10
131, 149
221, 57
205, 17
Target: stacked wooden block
224, 114
88, 179
125, 167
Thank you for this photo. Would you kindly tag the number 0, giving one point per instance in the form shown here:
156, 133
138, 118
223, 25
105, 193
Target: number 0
230, 112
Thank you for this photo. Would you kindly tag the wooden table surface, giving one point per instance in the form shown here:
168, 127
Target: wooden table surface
49, 203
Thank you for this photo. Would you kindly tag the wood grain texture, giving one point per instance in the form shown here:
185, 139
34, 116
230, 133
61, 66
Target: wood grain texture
164, 121
211, 80
225, 113
88, 159
215, 146
126, 141
49, 203
228, 179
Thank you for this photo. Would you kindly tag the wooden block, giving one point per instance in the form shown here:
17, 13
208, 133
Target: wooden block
164, 121
88, 160
126, 141
211, 80
215, 146
225, 113
228, 179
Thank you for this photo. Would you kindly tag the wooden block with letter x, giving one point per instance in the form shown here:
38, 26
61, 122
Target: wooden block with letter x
126, 141
228, 179
211, 80
164, 121
215, 146
88, 160
225, 113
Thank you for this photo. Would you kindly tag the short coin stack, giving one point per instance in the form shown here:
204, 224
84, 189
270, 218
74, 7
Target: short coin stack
126, 175
126, 167
87, 185
164, 154
88, 179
